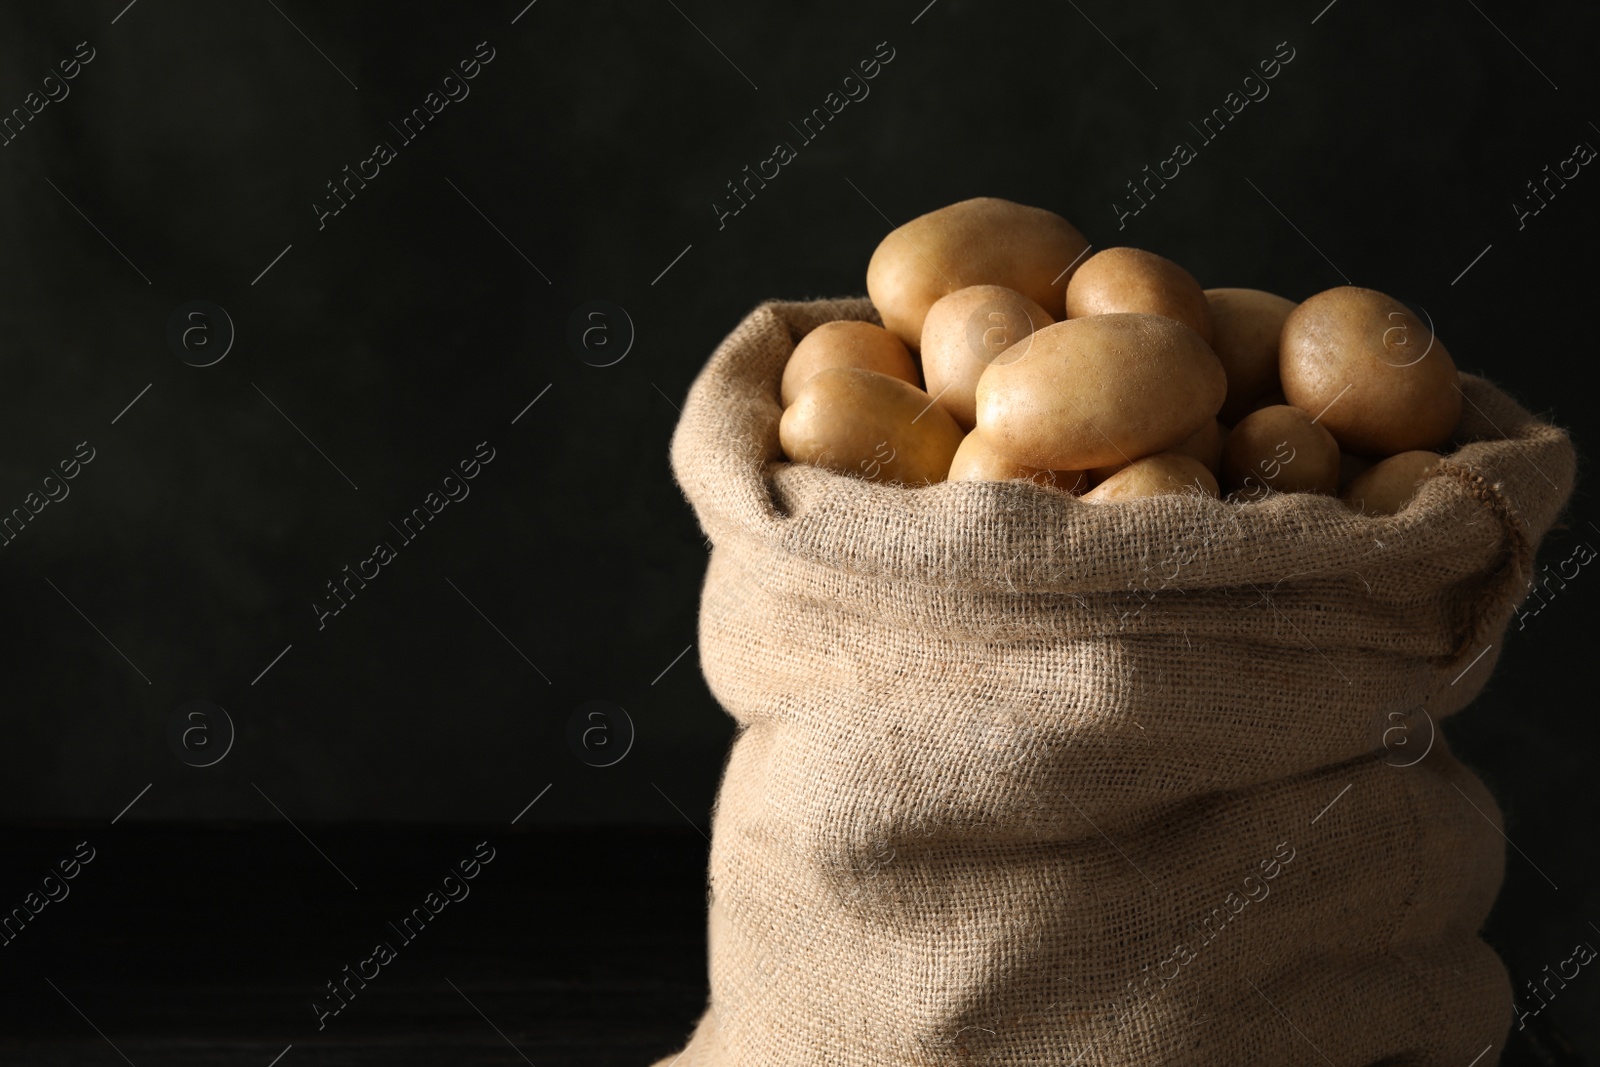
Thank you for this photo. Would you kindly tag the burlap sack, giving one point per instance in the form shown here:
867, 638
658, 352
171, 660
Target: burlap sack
1022, 780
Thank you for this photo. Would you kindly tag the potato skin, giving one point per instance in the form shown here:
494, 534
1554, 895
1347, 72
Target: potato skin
1131, 279
968, 330
1246, 325
1388, 485
871, 425
1100, 390
1279, 449
977, 462
1384, 383
1157, 475
983, 241
847, 343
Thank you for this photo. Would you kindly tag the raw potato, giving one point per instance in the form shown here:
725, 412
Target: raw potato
968, 330
984, 241
1279, 449
1157, 475
977, 462
1131, 279
1245, 327
1002, 357
847, 343
1389, 485
1100, 390
871, 425
1385, 382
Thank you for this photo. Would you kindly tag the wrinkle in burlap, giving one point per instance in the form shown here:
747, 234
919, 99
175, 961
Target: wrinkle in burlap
1023, 780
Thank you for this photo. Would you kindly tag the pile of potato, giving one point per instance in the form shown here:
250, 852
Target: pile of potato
1002, 356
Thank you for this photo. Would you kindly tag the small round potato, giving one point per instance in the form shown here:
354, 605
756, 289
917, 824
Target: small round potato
977, 462
984, 241
968, 330
1131, 279
1379, 378
1100, 390
847, 343
1388, 485
1279, 449
1157, 475
871, 425
1245, 327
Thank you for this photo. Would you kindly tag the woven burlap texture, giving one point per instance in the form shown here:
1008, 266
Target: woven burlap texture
1022, 780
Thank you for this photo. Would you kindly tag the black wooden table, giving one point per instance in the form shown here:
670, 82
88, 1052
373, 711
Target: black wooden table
179, 945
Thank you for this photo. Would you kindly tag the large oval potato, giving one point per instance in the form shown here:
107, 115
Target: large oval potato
846, 343
1245, 327
871, 425
1100, 390
1388, 485
983, 241
968, 330
1379, 378
1279, 449
975, 461
1157, 475
1131, 279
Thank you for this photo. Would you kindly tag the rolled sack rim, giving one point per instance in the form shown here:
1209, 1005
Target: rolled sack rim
1481, 517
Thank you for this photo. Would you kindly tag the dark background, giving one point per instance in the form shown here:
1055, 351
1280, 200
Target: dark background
424, 318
